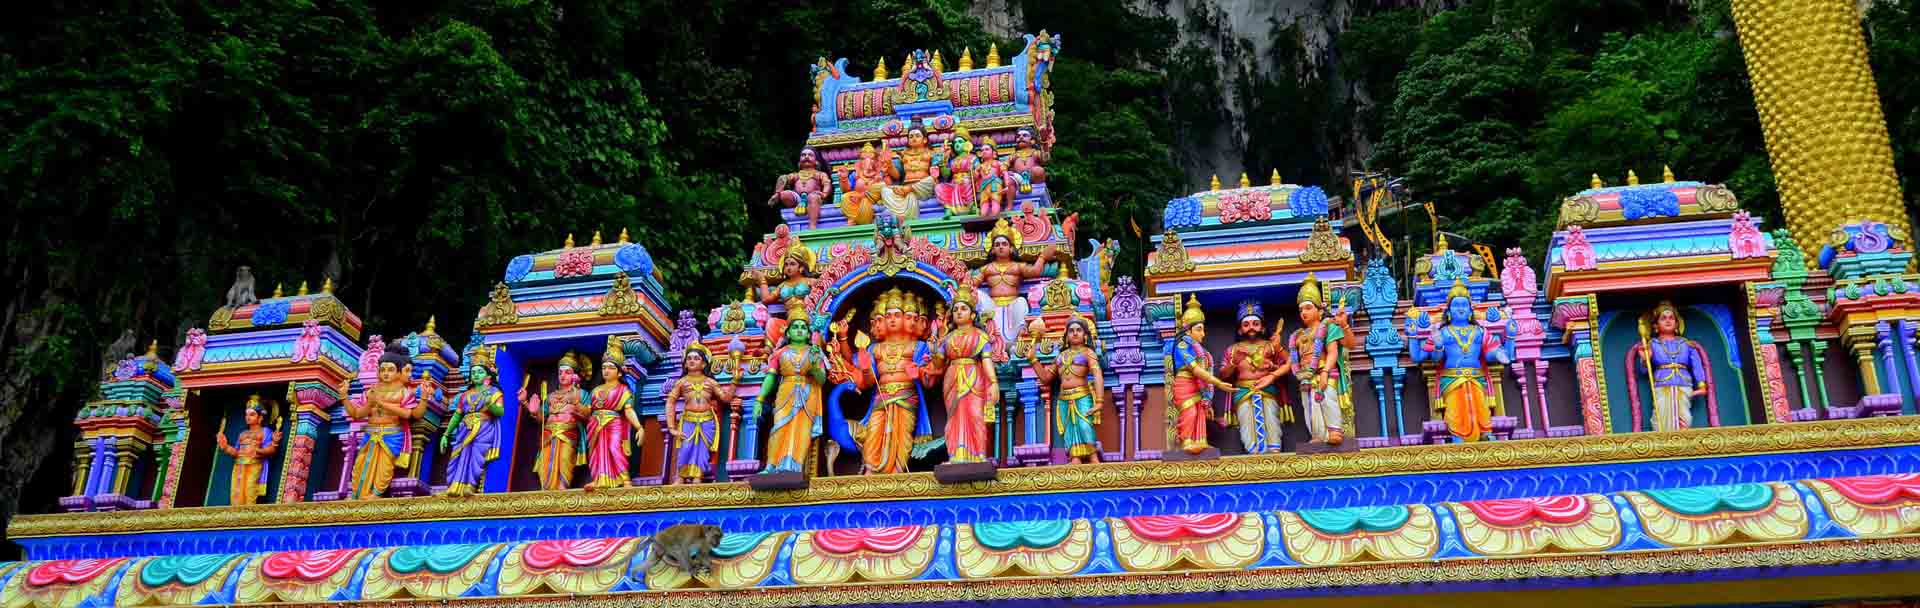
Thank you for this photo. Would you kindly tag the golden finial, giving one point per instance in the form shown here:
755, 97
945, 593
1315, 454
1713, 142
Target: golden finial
1244, 182
993, 55
277, 292
966, 59
880, 69
1215, 185
1632, 180
1666, 174
1275, 178
303, 289
623, 236
1595, 184
429, 329
596, 238
906, 65
569, 244
153, 348
327, 285
937, 65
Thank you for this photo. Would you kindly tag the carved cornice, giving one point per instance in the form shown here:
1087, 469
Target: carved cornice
1381, 462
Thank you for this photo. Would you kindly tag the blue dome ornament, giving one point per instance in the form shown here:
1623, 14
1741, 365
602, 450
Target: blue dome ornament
1182, 212
634, 259
1637, 204
1310, 201
518, 267
270, 312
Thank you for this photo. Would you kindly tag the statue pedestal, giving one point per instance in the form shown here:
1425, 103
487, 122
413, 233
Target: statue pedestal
1806, 414
329, 496
73, 504
406, 487
1872, 406
785, 480
963, 472
1316, 447
1211, 453
1412, 440
1503, 427
1375, 442
1033, 454
1434, 432
742, 467
1554, 432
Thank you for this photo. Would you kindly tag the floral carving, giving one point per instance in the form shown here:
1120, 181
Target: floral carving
1323, 245
620, 299
1649, 203
1579, 210
1126, 303
1245, 206
1310, 201
518, 267
1183, 212
574, 263
1171, 257
499, 309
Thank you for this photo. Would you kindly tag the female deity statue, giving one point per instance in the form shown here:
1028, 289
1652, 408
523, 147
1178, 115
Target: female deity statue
611, 423
559, 414
473, 435
958, 193
1030, 157
860, 186
963, 361
257, 444
897, 418
993, 180
1463, 352
1676, 366
388, 410
797, 385
695, 420
1191, 389
792, 292
1076, 406
1317, 353
1002, 275
915, 170
1253, 364
803, 190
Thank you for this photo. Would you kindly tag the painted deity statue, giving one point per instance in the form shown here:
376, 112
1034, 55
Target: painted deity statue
893, 368
473, 434
1076, 406
993, 180
797, 386
957, 194
915, 171
1002, 275
1253, 364
1678, 369
792, 291
693, 415
1462, 349
612, 425
559, 413
388, 409
1317, 352
861, 186
1030, 156
963, 359
805, 189
1191, 387
256, 444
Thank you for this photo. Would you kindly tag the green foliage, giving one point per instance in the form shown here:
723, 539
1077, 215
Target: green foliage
1893, 36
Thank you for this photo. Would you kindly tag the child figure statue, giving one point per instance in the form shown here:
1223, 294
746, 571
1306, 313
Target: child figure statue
256, 445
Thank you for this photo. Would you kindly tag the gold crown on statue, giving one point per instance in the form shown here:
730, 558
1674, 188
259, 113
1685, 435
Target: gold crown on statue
802, 254
866, 148
796, 314
614, 354
575, 361
1459, 290
1310, 292
483, 357
1004, 229
696, 347
1192, 315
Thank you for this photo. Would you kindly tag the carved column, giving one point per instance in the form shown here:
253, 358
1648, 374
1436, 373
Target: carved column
82, 466
1574, 316
310, 401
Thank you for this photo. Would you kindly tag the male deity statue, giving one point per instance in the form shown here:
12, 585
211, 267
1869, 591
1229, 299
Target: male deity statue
1076, 406
612, 425
1030, 156
1676, 367
1462, 349
693, 415
473, 434
1253, 365
1317, 353
255, 446
1002, 275
795, 385
1192, 383
559, 414
805, 189
993, 180
915, 170
892, 367
388, 409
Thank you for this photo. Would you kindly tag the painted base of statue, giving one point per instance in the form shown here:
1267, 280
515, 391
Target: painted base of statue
1210, 453
1322, 447
963, 472
778, 480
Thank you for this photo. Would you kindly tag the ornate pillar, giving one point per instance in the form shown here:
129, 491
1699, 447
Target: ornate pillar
310, 402
174, 429
1574, 316
1380, 296
1125, 315
82, 466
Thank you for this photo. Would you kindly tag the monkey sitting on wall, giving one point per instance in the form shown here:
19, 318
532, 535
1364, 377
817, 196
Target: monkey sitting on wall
241, 293
688, 547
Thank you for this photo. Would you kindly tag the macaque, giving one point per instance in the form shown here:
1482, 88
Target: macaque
688, 547
241, 293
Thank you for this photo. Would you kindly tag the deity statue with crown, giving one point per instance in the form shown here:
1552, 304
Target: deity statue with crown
805, 189
797, 266
861, 185
957, 193
612, 425
1462, 348
1317, 352
1254, 364
1191, 382
963, 363
559, 414
250, 452
1030, 156
915, 171
993, 180
387, 409
1676, 368
1076, 405
796, 383
1002, 275
893, 368
693, 415
473, 434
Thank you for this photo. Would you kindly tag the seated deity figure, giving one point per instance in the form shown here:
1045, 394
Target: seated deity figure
915, 171
1676, 367
957, 193
1030, 156
1253, 365
1463, 349
559, 414
992, 179
805, 189
1002, 275
473, 434
861, 185
254, 446
387, 409
1317, 353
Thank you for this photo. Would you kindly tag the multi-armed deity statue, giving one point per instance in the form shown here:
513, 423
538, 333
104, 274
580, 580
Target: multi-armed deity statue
473, 434
1463, 349
250, 452
1254, 365
559, 414
387, 409
892, 368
